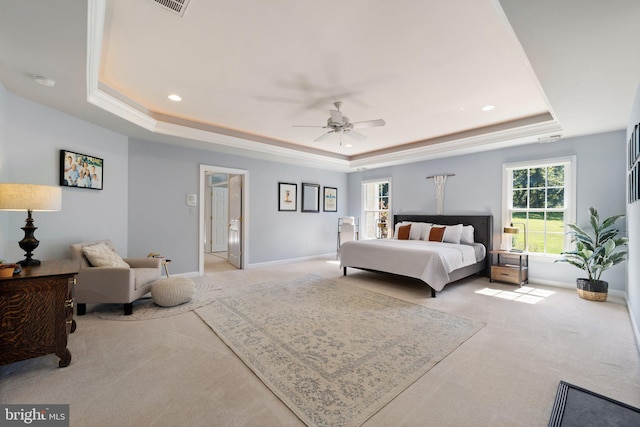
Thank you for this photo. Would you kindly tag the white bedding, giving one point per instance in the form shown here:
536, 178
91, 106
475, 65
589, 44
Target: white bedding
429, 261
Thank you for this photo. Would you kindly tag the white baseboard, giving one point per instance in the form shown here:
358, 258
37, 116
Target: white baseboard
569, 285
189, 274
290, 260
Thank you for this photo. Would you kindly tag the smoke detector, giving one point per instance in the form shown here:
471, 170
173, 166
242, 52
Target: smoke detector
549, 138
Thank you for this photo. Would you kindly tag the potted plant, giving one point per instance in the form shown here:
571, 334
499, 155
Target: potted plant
597, 250
6, 270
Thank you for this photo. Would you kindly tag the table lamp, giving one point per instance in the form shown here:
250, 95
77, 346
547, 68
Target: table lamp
515, 230
30, 198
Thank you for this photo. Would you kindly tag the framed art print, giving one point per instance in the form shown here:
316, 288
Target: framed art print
287, 197
330, 199
81, 170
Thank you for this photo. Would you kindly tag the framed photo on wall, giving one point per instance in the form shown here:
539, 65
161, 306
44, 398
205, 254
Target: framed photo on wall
81, 170
310, 197
287, 197
330, 199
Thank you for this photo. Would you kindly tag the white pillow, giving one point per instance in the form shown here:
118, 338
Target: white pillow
467, 234
452, 233
395, 231
426, 231
417, 230
101, 255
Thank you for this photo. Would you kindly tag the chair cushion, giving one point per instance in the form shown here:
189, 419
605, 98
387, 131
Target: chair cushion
172, 291
101, 255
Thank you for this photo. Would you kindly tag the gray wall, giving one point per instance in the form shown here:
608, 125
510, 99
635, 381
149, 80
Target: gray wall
142, 207
161, 176
477, 188
34, 135
633, 224
143, 204
4, 172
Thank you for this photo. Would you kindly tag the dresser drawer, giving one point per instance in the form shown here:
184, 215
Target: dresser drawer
508, 274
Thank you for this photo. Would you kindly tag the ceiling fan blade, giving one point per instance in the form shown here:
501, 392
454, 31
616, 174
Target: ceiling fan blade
368, 124
336, 116
356, 135
323, 136
307, 126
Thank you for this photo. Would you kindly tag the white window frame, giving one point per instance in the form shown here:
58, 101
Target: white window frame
363, 211
569, 195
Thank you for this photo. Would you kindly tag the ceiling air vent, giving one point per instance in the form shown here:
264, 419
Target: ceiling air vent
175, 6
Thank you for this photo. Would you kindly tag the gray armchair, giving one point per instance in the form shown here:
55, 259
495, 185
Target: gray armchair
117, 285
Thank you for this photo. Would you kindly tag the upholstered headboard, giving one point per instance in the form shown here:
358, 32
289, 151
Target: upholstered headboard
482, 227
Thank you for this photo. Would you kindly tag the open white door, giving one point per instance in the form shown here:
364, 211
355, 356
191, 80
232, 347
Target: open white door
219, 219
238, 204
235, 220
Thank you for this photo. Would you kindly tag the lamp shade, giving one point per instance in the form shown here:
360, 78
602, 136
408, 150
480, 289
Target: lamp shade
24, 197
512, 230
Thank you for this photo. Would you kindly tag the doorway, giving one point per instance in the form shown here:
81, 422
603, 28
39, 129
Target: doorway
223, 229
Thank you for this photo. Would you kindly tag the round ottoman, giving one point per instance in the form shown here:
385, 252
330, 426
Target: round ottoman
172, 291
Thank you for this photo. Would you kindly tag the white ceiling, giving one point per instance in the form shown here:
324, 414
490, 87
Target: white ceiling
249, 70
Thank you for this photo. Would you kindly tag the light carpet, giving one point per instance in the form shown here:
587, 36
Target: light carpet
207, 289
334, 354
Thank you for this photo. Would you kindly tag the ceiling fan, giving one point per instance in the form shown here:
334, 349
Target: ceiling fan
337, 123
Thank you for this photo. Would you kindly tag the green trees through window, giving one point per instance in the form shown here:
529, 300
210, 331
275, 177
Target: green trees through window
537, 198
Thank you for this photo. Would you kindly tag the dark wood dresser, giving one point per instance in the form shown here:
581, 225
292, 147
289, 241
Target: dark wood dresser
36, 312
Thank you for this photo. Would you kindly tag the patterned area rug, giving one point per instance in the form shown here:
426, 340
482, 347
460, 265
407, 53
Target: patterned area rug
207, 289
334, 354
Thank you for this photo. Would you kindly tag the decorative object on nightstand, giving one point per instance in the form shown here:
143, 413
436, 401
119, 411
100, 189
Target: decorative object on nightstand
7, 269
510, 267
29, 197
511, 230
596, 251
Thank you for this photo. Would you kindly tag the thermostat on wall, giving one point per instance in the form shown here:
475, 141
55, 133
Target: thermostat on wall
192, 200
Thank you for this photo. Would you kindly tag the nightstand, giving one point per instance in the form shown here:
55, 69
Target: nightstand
510, 267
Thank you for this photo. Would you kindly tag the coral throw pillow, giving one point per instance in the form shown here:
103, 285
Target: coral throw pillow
404, 231
436, 234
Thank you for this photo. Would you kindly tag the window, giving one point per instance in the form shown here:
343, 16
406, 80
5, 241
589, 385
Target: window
376, 202
541, 196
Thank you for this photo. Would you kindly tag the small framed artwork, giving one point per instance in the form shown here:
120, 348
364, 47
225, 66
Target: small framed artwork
81, 170
310, 197
287, 197
330, 199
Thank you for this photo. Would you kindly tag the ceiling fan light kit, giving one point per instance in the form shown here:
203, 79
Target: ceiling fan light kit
340, 124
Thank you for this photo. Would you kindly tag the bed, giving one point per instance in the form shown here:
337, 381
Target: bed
435, 263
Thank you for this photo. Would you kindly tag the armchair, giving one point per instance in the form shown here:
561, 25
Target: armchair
107, 284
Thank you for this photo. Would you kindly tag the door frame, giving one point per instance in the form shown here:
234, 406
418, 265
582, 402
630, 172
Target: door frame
204, 169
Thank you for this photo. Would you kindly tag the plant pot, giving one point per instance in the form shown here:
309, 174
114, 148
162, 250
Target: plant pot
592, 290
6, 271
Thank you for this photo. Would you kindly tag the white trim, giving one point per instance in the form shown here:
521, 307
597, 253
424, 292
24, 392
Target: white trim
245, 209
331, 256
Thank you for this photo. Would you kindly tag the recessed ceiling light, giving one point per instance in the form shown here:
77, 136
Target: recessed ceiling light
175, 97
348, 145
44, 81
488, 107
